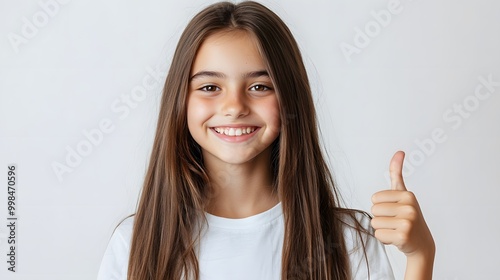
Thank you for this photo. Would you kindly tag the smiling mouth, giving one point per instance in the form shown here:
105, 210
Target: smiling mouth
234, 131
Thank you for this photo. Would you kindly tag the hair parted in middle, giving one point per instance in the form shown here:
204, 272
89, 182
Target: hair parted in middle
177, 188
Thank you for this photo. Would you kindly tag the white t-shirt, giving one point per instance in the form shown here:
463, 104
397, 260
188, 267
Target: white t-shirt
248, 248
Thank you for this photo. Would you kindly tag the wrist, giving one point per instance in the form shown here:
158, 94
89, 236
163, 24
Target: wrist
427, 254
420, 265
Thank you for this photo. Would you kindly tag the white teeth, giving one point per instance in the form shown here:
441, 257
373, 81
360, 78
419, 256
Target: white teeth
230, 131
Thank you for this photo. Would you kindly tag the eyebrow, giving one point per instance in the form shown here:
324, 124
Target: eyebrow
213, 74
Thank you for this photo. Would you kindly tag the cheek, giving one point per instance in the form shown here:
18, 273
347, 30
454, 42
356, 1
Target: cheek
272, 114
198, 111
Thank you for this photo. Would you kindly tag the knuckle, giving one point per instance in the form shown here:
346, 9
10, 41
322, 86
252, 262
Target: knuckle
406, 225
403, 238
409, 212
409, 196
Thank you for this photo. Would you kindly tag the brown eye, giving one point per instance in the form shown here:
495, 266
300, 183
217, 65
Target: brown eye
259, 88
209, 88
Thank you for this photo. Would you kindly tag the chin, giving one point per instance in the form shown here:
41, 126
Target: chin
236, 159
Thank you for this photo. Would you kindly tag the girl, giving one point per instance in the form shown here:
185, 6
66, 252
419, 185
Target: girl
237, 186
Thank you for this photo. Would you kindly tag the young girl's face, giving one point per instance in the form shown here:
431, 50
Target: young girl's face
232, 108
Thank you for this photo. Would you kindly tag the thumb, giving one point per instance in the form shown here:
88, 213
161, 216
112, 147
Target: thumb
396, 171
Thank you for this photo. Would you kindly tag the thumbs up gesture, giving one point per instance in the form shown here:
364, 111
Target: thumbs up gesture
398, 220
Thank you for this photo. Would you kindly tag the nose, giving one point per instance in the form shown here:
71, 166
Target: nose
234, 104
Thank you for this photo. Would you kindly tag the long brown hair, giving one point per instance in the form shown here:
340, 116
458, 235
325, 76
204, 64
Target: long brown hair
176, 187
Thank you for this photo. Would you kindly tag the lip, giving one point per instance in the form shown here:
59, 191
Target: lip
235, 139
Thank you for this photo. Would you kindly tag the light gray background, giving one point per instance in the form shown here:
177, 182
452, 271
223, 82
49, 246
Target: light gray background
68, 75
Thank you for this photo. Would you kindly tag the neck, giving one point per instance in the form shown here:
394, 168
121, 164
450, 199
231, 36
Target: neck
240, 190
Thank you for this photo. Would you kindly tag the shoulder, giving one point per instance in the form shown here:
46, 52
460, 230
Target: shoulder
367, 255
122, 234
124, 228
355, 218
357, 225
114, 263
358, 232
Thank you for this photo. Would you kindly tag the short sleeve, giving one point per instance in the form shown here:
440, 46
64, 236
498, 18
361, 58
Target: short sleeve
114, 264
375, 263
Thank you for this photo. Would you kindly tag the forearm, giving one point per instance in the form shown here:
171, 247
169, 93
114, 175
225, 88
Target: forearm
419, 267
